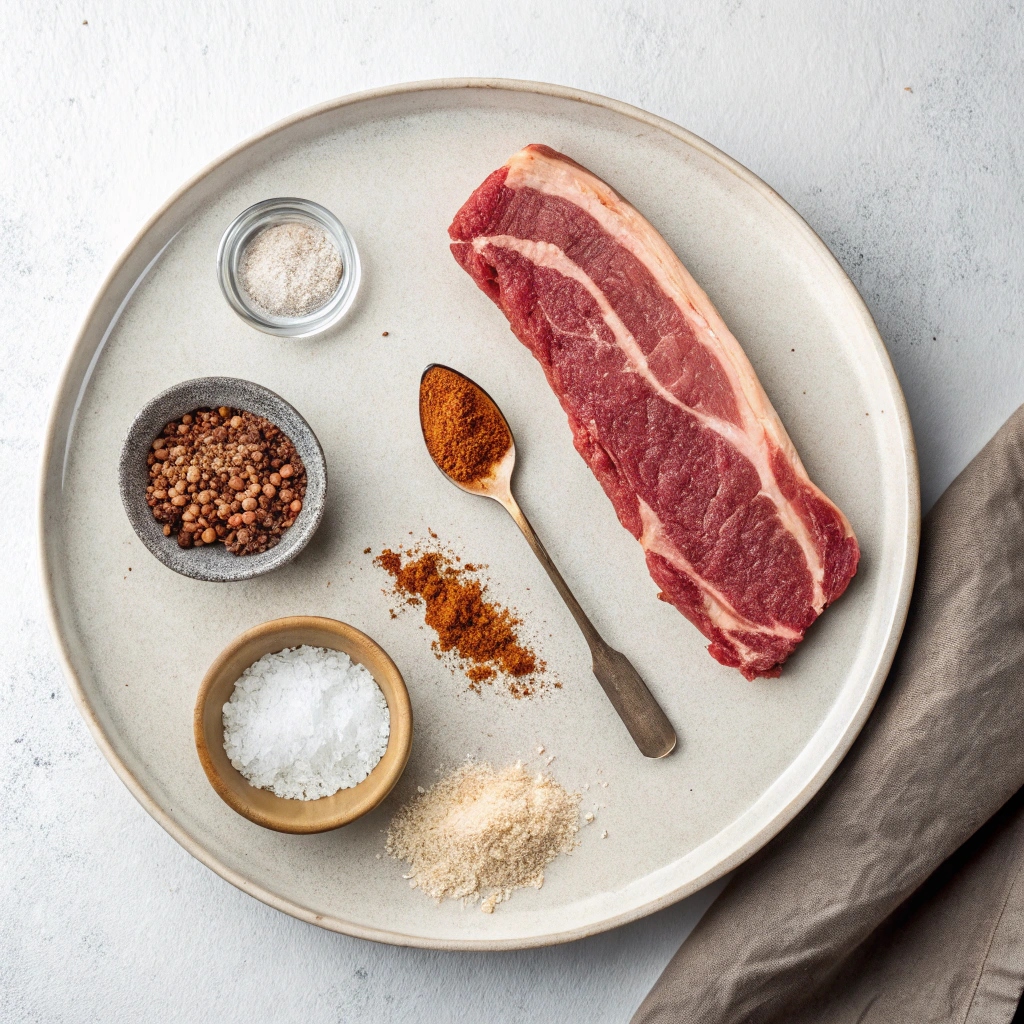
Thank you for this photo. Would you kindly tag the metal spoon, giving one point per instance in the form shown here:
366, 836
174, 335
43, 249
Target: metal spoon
640, 712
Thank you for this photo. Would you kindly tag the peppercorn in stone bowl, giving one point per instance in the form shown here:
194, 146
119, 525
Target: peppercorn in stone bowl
212, 561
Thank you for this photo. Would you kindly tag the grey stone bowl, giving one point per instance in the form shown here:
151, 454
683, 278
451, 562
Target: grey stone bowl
214, 562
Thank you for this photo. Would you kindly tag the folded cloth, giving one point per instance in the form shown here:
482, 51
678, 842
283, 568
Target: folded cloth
897, 894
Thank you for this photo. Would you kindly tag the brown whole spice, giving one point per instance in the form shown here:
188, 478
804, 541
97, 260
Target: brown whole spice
466, 435
482, 634
225, 476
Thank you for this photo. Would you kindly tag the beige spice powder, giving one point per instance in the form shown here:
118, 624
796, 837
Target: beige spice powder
483, 831
291, 269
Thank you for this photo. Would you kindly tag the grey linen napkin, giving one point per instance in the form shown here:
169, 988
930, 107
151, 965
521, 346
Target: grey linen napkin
897, 894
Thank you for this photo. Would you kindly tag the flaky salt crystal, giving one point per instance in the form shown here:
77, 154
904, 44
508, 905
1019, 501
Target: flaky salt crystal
306, 722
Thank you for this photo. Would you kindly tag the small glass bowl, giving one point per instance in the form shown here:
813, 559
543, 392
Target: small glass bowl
267, 214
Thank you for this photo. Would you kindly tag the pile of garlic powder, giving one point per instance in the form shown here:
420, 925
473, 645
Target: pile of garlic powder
483, 831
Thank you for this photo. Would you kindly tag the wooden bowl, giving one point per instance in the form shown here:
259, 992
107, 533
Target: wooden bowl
260, 805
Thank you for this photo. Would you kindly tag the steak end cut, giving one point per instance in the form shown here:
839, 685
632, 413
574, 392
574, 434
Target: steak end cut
663, 405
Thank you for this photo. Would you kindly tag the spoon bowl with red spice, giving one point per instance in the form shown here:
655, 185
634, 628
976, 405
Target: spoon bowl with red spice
471, 443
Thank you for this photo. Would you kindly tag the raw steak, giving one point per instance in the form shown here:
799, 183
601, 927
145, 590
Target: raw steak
663, 404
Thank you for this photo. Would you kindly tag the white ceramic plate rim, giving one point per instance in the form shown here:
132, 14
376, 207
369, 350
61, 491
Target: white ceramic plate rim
74, 378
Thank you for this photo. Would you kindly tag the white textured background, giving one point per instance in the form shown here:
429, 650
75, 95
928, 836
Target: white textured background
894, 128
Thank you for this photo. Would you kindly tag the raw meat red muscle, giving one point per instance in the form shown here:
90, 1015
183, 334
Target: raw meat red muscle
663, 404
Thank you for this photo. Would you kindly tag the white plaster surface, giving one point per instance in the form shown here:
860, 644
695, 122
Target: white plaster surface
895, 128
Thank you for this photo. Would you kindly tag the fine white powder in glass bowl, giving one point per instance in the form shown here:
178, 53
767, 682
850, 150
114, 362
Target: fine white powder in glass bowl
291, 269
306, 722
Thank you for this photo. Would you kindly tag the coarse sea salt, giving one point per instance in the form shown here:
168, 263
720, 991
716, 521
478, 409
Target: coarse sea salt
306, 722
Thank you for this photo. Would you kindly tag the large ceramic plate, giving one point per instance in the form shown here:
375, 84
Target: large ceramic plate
394, 165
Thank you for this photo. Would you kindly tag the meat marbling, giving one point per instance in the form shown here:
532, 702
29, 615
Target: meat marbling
663, 404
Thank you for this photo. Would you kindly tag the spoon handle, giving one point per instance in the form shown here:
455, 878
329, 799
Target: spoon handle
640, 712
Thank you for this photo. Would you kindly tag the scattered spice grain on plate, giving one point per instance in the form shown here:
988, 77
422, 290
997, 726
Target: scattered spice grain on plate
480, 830
465, 432
225, 476
482, 635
